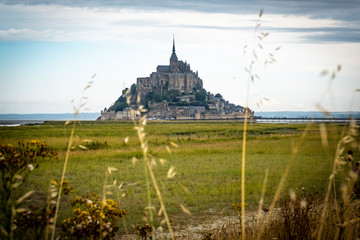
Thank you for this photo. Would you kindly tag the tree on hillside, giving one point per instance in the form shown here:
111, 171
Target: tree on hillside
172, 95
157, 97
133, 89
118, 106
200, 95
121, 99
151, 96
124, 91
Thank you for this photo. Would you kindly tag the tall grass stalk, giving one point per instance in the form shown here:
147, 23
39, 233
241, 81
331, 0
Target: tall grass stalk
140, 129
337, 162
103, 200
144, 147
70, 142
261, 201
117, 189
158, 193
283, 179
62, 178
243, 156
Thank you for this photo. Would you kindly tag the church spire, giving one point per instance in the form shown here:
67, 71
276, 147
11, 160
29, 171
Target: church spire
173, 43
173, 55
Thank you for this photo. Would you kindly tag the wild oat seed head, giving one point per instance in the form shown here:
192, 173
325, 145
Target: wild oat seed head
162, 161
168, 149
174, 144
303, 203
171, 173
292, 195
185, 210
160, 212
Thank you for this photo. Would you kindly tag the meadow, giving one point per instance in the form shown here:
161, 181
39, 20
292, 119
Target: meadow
206, 156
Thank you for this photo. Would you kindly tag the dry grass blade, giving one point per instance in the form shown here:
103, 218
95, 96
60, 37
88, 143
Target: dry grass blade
174, 144
243, 157
323, 110
69, 147
162, 161
168, 149
327, 195
324, 72
83, 147
323, 134
171, 172
158, 193
261, 202
283, 178
185, 210
62, 179
23, 197
112, 169
338, 68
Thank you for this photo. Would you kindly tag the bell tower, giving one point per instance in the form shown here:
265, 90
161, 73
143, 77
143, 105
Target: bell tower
173, 58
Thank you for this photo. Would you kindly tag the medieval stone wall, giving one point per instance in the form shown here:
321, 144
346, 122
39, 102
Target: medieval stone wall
107, 115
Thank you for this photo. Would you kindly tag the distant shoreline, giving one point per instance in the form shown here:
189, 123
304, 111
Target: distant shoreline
49, 116
94, 116
38, 119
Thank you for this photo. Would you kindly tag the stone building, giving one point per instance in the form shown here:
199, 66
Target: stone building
125, 114
175, 76
185, 105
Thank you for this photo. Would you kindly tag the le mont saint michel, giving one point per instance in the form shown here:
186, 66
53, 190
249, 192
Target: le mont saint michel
173, 92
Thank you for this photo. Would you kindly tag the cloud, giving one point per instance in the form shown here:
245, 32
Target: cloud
327, 34
336, 37
31, 35
333, 9
41, 20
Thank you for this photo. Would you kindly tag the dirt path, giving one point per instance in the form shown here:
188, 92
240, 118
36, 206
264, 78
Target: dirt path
197, 231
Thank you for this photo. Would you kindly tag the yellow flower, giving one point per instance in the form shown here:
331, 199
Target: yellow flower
77, 211
35, 141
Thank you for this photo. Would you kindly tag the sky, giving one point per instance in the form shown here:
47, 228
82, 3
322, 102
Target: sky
51, 49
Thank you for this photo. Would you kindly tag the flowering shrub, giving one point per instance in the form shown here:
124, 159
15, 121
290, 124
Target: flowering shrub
16, 162
93, 219
237, 207
144, 231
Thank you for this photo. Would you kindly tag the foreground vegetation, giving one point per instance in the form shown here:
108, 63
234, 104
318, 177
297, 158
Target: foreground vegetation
206, 176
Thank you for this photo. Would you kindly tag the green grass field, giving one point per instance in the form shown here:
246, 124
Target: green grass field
207, 162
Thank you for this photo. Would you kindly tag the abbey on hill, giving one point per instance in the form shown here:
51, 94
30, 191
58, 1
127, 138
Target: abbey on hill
174, 91
177, 76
